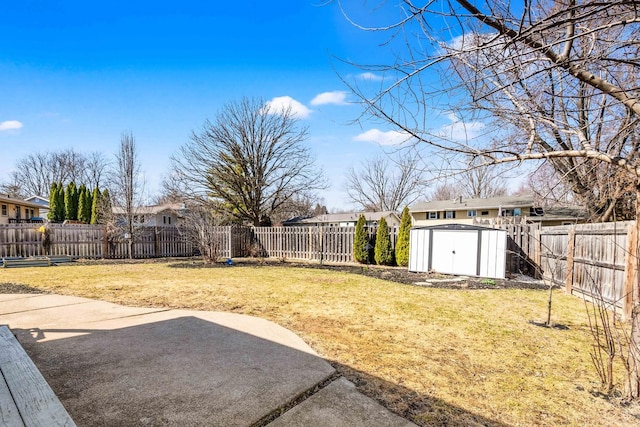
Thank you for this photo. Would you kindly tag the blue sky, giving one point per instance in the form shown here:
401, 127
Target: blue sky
77, 74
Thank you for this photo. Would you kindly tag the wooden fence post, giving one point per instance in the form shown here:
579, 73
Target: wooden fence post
571, 247
631, 271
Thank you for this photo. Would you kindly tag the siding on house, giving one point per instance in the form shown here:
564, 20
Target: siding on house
16, 210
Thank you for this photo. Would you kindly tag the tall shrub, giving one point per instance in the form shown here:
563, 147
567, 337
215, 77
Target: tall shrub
383, 252
60, 206
360, 241
105, 209
402, 245
53, 200
71, 202
95, 206
84, 205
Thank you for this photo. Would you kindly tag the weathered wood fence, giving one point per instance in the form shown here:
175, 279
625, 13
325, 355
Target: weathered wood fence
596, 261
322, 244
91, 241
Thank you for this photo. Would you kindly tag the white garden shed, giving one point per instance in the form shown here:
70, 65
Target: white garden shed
459, 249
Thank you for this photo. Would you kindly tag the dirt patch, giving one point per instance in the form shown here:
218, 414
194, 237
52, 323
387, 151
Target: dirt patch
15, 288
392, 274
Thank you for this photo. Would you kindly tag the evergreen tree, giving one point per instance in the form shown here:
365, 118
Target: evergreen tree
360, 241
402, 245
71, 202
95, 206
383, 252
53, 199
105, 206
84, 205
60, 206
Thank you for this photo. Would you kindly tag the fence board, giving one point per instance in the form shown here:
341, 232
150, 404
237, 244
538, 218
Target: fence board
597, 266
91, 241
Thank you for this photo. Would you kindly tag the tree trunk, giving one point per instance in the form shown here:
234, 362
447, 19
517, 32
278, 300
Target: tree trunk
634, 344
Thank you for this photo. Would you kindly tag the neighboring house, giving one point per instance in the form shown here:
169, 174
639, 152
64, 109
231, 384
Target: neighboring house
346, 219
43, 202
561, 215
466, 211
18, 211
165, 215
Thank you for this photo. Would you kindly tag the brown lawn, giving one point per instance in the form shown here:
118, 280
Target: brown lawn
436, 356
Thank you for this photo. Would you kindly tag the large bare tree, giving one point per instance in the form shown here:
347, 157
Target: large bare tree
552, 80
385, 183
252, 157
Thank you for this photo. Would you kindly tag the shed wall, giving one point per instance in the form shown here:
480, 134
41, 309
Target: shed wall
475, 252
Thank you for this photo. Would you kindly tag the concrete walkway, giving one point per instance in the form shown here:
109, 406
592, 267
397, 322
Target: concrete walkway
112, 365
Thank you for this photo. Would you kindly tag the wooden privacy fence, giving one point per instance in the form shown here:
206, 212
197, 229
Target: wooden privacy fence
91, 241
596, 261
321, 244
330, 244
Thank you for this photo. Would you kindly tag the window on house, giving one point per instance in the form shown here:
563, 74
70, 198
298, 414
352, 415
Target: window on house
164, 219
169, 219
517, 212
484, 213
472, 213
450, 214
433, 215
4, 210
18, 212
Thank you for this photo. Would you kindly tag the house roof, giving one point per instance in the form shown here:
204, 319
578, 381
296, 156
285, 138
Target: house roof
14, 201
152, 210
562, 213
504, 202
42, 201
341, 217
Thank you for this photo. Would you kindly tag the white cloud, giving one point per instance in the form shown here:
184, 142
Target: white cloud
336, 97
391, 137
459, 130
10, 125
280, 103
370, 76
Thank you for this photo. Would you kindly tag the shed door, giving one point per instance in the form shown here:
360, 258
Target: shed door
455, 252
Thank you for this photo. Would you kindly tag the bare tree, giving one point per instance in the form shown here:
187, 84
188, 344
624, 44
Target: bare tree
127, 185
252, 157
303, 205
96, 168
35, 173
12, 189
549, 80
481, 182
445, 191
385, 183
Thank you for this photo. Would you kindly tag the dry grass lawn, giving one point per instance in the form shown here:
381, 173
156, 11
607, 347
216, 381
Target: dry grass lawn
436, 356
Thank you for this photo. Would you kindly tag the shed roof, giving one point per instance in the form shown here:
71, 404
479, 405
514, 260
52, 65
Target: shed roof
455, 226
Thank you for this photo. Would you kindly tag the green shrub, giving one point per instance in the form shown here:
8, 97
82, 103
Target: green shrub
361, 241
402, 245
383, 252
